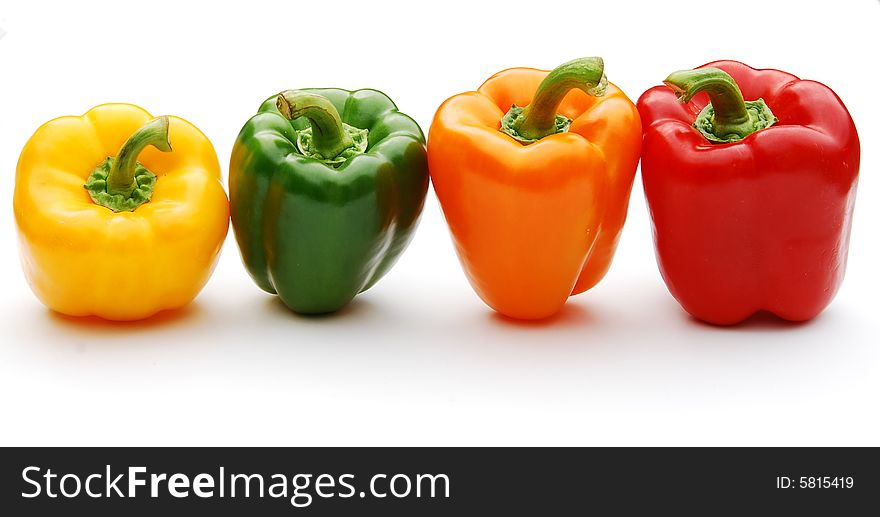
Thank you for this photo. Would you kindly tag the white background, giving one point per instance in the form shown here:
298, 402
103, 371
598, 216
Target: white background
419, 359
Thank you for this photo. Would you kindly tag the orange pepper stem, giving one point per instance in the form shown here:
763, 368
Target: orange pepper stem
539, 119
121, 179
727, 117
329, 137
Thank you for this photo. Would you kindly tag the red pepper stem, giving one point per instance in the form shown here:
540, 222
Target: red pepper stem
727, 118
329, 137
121, 179
538, 119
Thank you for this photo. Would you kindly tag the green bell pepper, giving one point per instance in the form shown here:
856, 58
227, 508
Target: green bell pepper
326, 188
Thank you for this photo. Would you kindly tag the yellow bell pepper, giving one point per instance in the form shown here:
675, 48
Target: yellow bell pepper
114, 223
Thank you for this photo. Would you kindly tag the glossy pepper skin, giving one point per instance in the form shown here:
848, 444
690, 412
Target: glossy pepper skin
84, 259
315, 234
759, 224
534, 223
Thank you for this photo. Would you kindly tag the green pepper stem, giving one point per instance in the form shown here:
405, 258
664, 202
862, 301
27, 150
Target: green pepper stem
121, 179
730, 116
329, 137
539, 118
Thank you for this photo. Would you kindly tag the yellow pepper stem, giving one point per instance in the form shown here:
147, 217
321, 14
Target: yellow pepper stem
121, 183
121, 179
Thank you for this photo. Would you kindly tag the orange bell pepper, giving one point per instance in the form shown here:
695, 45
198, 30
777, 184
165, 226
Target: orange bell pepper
536, 198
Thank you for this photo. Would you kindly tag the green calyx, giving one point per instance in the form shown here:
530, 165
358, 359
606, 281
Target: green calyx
760, 117
121, 183
305, 142
140, 194
727, 118
540, 118
561, 123
327, 138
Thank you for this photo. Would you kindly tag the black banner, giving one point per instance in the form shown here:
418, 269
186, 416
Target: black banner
424, 482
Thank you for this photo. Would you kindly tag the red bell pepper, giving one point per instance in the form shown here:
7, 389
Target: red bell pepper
751, 201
